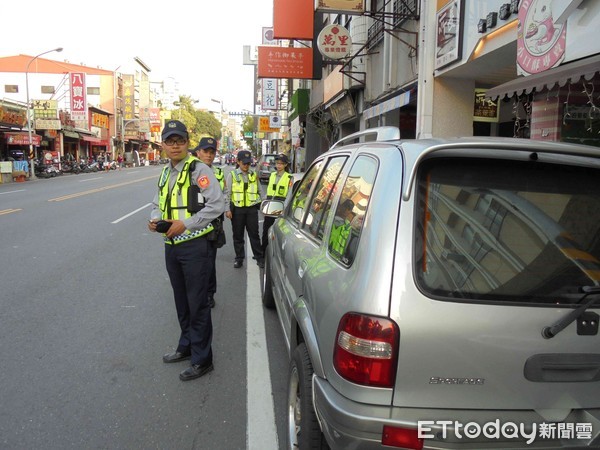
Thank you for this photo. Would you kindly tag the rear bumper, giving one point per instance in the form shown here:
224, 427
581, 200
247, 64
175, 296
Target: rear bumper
348, 424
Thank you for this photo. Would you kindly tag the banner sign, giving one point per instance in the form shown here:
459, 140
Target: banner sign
128, 97
48, 124
270, 99
285, 62
13, 116
264, 125
78, 97
449, 33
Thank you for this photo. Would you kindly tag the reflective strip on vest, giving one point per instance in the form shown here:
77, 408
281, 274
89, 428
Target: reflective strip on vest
241, 197
278, 190
174, 205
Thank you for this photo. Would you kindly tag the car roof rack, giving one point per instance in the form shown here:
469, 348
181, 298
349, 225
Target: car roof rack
383, 134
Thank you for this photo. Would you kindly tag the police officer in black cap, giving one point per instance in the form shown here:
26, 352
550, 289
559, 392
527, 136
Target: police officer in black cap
277, 189
206, 152
244, 195
188, 202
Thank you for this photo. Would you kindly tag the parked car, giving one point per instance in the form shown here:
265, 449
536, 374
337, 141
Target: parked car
266, 165
426, 285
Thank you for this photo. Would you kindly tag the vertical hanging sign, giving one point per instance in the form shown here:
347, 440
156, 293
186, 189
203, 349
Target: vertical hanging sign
78, 97
269, 94
128, 97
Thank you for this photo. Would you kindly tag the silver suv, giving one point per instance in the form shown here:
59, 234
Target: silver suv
441, 294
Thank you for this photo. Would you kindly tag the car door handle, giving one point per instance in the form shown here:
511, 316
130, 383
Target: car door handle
302, 268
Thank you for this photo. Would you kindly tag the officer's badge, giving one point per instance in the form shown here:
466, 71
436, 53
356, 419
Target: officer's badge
203, 182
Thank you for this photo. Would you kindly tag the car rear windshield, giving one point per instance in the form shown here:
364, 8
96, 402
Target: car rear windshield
509, 231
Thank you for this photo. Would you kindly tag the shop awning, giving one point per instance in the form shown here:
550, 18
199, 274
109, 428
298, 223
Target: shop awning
92, 139
572, 72
22, 138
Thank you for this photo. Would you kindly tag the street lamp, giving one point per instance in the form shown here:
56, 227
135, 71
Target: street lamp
223, 128
32, 168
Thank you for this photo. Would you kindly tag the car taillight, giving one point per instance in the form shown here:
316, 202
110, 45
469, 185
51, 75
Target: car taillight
366, 350
401, 437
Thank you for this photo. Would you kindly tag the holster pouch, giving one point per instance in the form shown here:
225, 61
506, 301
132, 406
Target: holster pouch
195, 200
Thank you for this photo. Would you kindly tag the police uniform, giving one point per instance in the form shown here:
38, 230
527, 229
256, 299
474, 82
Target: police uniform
189, 256
205, 143
244, 197
277, 189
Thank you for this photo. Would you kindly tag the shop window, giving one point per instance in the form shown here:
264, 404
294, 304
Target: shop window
48, 90
93, 91
11, 89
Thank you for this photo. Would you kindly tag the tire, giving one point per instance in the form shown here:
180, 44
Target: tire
303, 427
267, 295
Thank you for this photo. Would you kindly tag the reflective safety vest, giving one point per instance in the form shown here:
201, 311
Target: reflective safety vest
339, 238
278, 190
173, 205
242, 193
220, 176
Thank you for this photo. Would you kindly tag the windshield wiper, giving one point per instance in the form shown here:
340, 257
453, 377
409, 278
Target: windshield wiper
561, 324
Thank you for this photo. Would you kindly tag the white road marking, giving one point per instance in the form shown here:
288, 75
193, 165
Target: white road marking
12, 192
90, 179
132, 213
261, 429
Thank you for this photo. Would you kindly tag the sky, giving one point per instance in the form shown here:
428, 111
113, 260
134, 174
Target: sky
198, 42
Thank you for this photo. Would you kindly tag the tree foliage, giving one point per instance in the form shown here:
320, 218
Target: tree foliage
248, 127
199, 123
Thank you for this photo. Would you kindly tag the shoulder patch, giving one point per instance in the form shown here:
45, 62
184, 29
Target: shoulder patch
203, 182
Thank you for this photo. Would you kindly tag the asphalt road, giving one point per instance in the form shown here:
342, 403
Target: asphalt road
86, 313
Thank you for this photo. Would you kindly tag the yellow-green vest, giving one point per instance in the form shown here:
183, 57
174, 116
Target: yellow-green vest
339, 238
173, 205
244, 194
220, 176
278, 190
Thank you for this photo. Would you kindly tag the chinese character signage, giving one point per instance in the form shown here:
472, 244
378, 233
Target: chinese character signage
449, 33
484, 109
540, 42
45, 109
334, 42
285, 62
78, 97
340, 6
270, 99
12, 116
264, 125
128, 97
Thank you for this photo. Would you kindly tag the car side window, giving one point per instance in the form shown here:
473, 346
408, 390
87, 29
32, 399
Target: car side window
352, 207
320, 203
297, 206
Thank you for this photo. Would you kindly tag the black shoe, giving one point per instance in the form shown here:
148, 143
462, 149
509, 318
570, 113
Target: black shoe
261, 263
211, 301
238, 263
195, 371
176, 357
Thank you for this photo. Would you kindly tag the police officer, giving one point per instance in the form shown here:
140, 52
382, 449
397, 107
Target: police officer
206, 152
185, 208
243, 200
277, 189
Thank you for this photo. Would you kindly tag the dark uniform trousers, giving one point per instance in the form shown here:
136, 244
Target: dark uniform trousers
267, 223
245, 217
189, 266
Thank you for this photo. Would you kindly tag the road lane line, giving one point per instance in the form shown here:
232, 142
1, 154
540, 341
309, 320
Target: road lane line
12, 192
93, 191
261, 429
9, 211
132, 213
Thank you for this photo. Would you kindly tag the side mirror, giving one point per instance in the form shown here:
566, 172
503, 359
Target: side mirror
271, 208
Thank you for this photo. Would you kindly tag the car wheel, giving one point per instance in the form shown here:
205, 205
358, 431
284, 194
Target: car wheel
303, 427
267, 295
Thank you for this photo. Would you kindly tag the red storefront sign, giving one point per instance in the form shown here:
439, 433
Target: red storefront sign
285, 62
22, 138
78, 96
